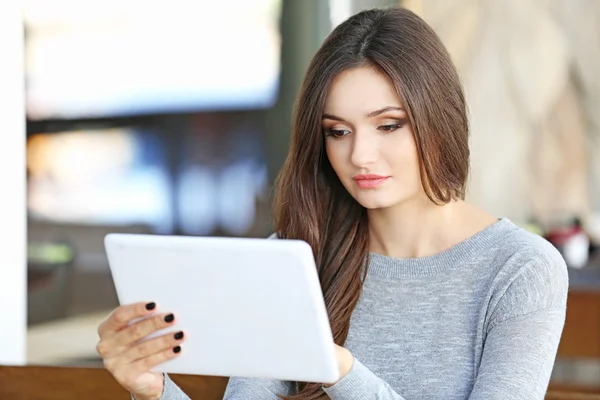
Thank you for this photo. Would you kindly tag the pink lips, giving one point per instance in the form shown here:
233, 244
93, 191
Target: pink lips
369, 181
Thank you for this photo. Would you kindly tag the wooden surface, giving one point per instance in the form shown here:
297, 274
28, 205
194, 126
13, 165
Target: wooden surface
581, 335
59, 383
584, 392
580, 344
558, 395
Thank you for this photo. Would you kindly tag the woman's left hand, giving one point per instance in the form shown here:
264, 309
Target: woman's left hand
345, 360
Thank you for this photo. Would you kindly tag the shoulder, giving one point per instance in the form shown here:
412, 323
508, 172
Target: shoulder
532, 275
527, 246
526, 255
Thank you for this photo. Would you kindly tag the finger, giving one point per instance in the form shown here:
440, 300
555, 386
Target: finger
122, 316
149, 362
140, 329
117, 343
153, 346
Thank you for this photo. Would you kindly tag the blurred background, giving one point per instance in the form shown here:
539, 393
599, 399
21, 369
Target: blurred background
173, 118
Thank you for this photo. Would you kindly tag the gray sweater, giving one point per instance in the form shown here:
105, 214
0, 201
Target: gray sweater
480, 321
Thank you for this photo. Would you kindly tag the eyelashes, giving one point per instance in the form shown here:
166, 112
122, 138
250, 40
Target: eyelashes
341, 133
390, 127
336, 133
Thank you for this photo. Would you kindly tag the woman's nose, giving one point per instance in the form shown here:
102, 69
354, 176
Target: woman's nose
364, 149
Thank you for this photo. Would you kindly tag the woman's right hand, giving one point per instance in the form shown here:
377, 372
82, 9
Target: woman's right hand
130, 360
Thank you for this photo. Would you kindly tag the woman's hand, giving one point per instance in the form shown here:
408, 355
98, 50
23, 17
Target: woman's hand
345, 361
130, 360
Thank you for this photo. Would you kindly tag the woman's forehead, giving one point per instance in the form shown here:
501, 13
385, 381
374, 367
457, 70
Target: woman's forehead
361, 90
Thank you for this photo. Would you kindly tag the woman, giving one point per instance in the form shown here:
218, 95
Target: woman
454, 303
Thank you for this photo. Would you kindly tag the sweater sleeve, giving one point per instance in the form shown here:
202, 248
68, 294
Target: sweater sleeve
361, 384
256, 389
524, 333
170, 390
520, 347
237, 389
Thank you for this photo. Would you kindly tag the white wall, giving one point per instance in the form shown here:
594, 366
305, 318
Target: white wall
13, 321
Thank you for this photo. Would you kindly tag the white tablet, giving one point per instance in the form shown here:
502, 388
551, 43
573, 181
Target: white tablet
249, 307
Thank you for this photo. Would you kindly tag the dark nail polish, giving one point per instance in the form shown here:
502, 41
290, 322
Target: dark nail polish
169, 318
150, 306
176, 349
178, 335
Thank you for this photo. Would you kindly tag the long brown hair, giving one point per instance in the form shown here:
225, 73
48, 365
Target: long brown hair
310, 202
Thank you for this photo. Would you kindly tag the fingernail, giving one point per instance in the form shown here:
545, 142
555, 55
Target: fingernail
176, 349
150, 306
178, 335
169, 318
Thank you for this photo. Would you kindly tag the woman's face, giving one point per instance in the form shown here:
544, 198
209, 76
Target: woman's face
368, 140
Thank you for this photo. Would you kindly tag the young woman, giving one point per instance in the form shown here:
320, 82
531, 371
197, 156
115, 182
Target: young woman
428, 296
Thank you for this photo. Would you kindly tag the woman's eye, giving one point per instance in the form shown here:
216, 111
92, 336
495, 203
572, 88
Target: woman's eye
337, 133
390, 127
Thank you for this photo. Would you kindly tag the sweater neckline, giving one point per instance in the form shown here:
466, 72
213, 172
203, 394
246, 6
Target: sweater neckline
450, 258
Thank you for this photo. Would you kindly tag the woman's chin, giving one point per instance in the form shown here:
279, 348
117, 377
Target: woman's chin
380, 200
375, 202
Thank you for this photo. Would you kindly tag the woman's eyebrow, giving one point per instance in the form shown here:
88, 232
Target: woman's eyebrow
369, 115
383, 110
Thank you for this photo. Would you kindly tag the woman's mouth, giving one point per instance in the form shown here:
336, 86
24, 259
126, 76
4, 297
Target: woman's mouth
370, 181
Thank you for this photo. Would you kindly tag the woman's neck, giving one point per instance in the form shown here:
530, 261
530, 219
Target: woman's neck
420, 228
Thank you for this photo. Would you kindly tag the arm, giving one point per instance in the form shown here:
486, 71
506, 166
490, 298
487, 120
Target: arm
171, 391
360, 383
520, 347
256, 389
519, 357
237, 389
523, 335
